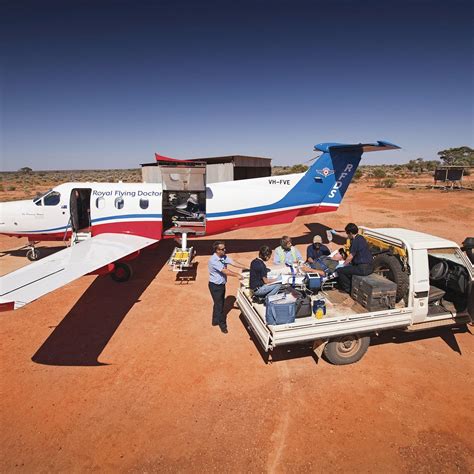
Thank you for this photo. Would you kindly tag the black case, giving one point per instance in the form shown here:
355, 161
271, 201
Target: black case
374, 292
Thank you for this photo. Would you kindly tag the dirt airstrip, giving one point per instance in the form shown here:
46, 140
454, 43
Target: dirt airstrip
133, 378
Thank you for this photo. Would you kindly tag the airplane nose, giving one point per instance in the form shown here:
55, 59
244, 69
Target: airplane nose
7, 219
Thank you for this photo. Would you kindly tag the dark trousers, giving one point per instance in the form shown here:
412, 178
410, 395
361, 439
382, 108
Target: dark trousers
345, 274
218, 296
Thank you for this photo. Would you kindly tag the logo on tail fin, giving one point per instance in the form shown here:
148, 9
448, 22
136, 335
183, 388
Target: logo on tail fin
325, 172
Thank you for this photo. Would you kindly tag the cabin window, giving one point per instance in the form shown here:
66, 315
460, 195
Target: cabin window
39, 202
144, 203
119, 203
100, 203
52, 199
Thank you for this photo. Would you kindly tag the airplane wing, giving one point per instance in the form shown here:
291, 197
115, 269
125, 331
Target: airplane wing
25, 285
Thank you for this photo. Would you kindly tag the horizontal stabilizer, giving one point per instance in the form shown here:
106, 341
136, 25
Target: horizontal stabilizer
363, 147
39, 278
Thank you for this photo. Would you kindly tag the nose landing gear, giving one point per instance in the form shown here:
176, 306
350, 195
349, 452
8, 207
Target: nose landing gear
33, 253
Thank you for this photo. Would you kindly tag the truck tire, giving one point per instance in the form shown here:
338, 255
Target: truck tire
346, 349
391, 268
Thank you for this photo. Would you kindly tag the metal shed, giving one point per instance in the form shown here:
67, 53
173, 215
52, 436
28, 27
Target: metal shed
220, 168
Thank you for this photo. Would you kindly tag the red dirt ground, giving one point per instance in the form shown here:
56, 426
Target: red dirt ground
133, 378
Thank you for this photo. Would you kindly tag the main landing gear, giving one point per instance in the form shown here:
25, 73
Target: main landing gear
121, 273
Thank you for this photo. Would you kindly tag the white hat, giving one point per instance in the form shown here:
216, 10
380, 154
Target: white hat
317, 239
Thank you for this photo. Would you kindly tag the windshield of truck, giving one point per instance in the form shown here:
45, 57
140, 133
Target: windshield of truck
452, 254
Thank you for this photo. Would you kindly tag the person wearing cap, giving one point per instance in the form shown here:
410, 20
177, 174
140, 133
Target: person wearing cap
316, 250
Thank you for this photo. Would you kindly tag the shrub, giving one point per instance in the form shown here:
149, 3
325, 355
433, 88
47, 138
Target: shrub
11, 188
379, 173
388, 183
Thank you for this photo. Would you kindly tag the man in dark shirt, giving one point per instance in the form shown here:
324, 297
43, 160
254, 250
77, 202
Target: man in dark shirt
259, 283
359, 261
315, 251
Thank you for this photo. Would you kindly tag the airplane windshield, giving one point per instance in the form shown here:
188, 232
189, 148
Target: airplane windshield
40, 196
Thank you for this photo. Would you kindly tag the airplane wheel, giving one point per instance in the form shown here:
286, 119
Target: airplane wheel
122, 272
33, 254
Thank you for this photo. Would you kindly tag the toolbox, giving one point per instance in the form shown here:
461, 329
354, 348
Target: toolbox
374, 292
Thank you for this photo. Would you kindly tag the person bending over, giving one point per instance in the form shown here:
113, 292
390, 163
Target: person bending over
359, 260
260, 284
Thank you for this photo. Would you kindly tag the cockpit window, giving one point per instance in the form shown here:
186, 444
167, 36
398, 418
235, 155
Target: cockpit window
38, 200
52, 199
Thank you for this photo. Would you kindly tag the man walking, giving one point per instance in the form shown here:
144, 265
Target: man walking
359, 261
218, 273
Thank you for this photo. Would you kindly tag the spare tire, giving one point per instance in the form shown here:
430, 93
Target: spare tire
390, 267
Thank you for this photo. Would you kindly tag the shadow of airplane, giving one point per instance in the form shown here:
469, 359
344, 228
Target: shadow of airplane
43, 251
82, 335
203, 246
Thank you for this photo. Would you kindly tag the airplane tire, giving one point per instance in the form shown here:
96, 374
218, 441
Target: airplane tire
33, 255
121, 273
391, 268
346, 349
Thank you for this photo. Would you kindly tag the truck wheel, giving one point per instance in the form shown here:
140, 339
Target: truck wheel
121, 273
391, 268
346, 349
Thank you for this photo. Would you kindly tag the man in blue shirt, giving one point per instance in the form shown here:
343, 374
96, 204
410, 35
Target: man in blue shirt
286, 253
218, 273
359, 261
315, 251
259, 283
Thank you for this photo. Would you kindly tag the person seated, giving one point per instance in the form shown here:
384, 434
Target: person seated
315, 251
359, 261
286, 254
260, 284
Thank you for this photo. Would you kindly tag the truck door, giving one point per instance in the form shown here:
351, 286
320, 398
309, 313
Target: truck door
470, 300
420, 284
184, 198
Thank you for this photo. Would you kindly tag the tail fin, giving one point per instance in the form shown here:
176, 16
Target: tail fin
328, 178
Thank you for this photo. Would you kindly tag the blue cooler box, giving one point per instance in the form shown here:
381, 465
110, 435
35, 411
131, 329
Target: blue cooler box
279, 311
313, 281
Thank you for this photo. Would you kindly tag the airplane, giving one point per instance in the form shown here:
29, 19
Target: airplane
108, 224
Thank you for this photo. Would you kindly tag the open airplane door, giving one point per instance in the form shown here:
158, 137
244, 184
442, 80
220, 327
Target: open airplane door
184, 196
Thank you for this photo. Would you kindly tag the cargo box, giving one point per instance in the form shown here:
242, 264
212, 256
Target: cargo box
374, 292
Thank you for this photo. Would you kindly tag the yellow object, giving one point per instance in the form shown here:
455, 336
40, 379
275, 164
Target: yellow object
181, 255
319, 313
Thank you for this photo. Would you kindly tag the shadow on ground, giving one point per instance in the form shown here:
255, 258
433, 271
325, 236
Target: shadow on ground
43, 251
296, 351
84, 332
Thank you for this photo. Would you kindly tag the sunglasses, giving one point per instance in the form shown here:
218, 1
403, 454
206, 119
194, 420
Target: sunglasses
221, 248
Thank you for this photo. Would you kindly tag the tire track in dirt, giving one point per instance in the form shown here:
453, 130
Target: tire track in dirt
280, 431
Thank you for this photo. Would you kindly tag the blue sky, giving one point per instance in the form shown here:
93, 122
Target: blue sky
106, 84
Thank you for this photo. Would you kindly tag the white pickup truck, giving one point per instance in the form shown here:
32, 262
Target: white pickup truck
435, 281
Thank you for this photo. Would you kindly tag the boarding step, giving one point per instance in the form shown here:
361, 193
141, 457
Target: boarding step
437, 324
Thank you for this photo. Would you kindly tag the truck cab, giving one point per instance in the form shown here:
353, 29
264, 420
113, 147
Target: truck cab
434, 276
